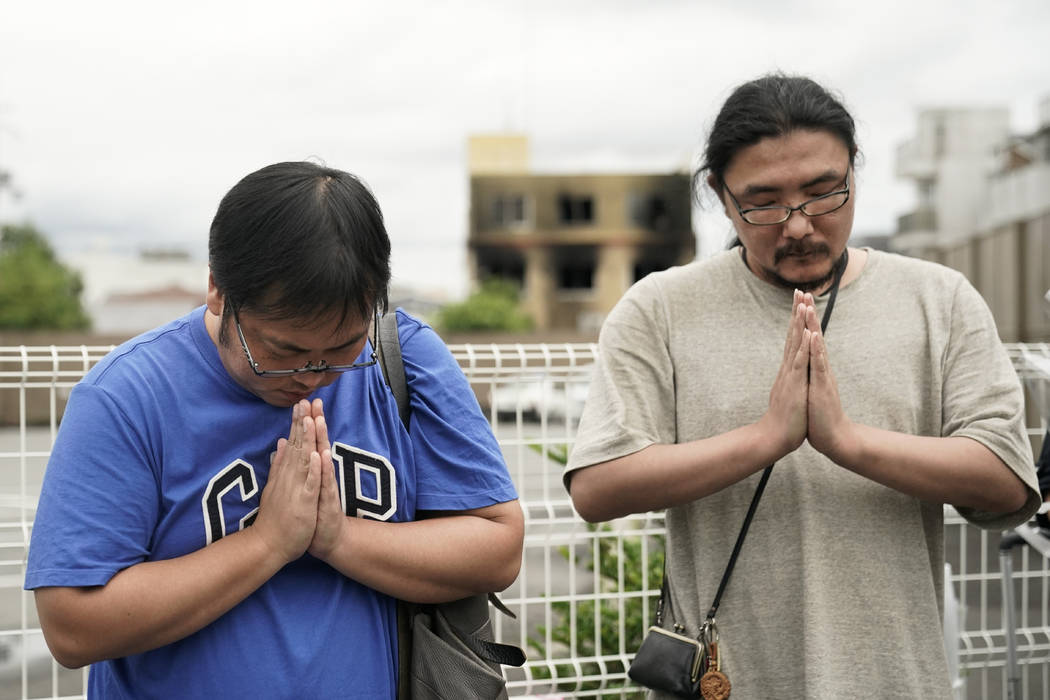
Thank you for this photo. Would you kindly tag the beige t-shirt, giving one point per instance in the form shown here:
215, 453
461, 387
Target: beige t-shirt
838, 589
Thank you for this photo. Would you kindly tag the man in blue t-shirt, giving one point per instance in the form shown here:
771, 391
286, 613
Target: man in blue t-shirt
266, 408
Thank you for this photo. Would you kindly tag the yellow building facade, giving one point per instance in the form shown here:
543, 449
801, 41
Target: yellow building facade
572, 243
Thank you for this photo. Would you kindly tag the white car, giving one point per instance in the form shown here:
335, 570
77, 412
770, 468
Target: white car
535, 396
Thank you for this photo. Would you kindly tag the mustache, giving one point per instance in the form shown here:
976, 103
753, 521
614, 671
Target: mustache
800, 248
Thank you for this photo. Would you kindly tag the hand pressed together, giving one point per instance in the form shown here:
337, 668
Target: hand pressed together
299, 510
829, 427
804, 402
786, 418
330, 517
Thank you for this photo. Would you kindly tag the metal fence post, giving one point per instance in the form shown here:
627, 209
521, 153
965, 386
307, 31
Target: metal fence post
1013, 676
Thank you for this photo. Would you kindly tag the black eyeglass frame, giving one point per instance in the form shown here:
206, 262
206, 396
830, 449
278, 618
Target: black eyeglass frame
321, 366
788, 211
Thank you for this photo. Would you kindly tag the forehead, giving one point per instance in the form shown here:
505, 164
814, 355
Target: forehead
787, 160
326, 331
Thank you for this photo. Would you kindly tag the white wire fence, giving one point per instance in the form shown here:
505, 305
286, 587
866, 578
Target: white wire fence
586, 593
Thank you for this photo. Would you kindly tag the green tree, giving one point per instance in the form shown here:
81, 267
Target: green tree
494, 307
36, 290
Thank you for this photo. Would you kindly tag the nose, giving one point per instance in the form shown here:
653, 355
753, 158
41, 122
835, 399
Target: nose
797, 226
308, 381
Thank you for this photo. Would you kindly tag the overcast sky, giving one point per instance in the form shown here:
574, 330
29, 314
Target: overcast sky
124, 124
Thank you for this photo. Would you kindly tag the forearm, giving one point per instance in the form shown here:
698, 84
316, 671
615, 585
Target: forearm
153, 603
662, 476
436, 559
954, 470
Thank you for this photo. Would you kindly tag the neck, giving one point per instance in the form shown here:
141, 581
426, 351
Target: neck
838, 271
213, 324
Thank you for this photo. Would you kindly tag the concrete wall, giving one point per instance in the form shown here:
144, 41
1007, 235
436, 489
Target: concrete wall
1036, 262
1011, 269
961, 257
992, 211
997, 264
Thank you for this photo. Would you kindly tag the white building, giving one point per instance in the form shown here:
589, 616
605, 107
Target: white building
125, 294
984, 209
950, 159
1012, 246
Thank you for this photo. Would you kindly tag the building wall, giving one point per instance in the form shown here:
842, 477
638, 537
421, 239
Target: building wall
575, 243
1010, 267
498, 153
1019, 197
949, 159
998, 272
112, 280
961, 257
989, 196
612, 195
1036, 262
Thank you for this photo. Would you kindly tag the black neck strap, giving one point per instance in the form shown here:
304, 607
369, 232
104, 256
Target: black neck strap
840, 269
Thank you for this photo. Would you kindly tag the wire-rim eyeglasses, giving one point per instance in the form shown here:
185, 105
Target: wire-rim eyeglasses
310, 366
778, 214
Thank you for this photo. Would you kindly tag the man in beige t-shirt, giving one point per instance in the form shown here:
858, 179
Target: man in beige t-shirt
710, 372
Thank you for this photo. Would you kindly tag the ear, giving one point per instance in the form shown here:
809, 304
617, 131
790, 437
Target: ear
215, 297
716, 187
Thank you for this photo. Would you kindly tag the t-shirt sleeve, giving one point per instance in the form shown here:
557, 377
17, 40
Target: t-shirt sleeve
983, 400
99, 500
631, 400
459, 464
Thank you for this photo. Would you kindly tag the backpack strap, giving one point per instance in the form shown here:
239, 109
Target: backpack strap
388, 349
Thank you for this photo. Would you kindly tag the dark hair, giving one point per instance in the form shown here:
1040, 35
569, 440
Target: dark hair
772, 105
298, 241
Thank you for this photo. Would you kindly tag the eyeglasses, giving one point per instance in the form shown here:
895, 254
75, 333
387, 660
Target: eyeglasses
818, 206
321, 366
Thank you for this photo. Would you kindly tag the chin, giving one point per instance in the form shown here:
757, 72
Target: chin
807, 283
812, 286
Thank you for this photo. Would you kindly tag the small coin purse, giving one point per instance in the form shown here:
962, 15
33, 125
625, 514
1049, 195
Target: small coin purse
669, 662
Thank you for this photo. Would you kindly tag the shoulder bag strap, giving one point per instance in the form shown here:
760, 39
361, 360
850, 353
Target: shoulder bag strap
388, 349
665, 589
840, 268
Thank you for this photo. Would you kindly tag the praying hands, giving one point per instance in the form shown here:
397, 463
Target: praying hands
804, 401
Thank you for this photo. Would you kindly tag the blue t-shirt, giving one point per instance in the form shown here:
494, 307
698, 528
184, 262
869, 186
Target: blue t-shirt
160, 453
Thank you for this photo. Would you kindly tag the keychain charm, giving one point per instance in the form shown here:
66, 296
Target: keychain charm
714, 685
